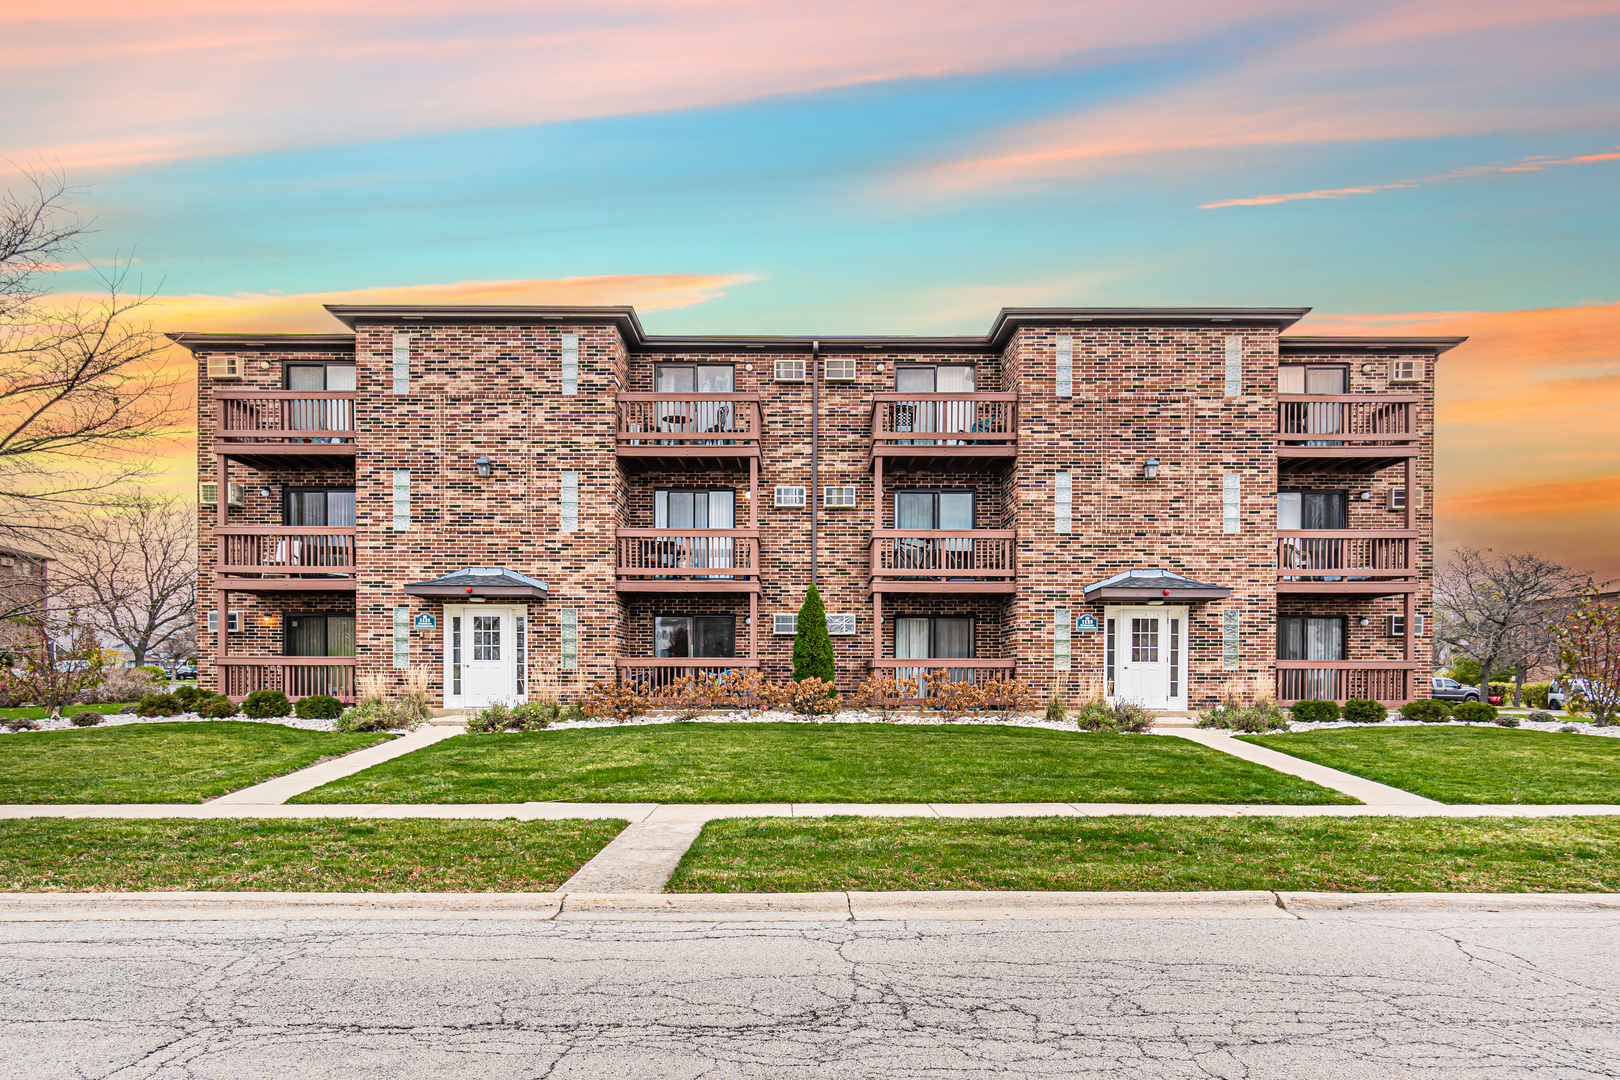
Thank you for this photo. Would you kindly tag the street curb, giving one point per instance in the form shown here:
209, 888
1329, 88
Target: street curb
823, 907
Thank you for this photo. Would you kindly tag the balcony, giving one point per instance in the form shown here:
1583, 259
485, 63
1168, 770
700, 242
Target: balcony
1349, 432
268, 429
688, 431
688, 560
944, 561
1376, 562
1386, 681
295, 676
654, 672
970, 429
292, 558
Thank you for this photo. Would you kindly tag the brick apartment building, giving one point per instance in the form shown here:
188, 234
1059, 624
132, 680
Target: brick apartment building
1166, 504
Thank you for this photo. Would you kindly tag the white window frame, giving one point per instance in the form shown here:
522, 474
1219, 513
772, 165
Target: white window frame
784, 496
838, 496
844, 627
785, 623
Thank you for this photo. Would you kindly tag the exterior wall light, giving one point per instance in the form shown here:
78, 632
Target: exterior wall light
483, 467
264, 493
1150, 469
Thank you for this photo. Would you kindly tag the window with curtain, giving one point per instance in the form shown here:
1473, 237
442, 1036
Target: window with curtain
694, 635
1301, 637
320, 414
319, 635
319, 506
1313, 510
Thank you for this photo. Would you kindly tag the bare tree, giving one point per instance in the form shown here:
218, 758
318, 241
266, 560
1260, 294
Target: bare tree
132, 572
1589, 640
1489, 607
177, 648
82, 389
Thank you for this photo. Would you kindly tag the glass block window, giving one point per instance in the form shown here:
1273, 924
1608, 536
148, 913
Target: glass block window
1063, 502
402, 500
1234, 366
1061, 640
402, 638
1065, 366
568, 510
568, 639
1229, 641
570, 365
1231, 503
402, 363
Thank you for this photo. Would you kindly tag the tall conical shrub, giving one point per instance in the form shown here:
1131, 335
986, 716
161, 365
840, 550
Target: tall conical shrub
812, 647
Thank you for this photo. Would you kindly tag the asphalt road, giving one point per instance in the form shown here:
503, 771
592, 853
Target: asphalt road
1336, 998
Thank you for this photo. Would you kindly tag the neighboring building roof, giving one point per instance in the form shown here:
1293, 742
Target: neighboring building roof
25, 553
339, 342
1306, 344
480, 581
1006, 322
1143, 584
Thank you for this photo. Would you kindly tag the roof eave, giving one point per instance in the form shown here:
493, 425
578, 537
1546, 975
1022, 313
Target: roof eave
1305, 343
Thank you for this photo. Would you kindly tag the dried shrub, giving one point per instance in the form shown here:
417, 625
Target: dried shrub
371, 686
620, 702
533, 715
883, 694
1542, 716
1122, 717
814, 697
123, 684
754, 692
1003, 698
1507, 721
22, 723
953, 700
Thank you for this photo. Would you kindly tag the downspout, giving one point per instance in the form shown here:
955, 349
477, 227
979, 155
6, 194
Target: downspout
815, 454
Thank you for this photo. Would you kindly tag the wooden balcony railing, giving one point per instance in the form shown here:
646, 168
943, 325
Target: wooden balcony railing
1345, 553
945, 423
971, 669
1346, 419
949, 554
1386, 681
648, 673
285, 416
286, 550
295, 676
703, 422
716, 555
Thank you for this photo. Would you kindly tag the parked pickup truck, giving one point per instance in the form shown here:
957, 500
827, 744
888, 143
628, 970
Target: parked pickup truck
1443, 689
1559, 693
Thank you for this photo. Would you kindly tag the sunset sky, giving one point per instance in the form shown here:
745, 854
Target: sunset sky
853, 166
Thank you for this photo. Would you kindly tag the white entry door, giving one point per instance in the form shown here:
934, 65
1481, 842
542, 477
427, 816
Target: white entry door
1150, 649
482, 651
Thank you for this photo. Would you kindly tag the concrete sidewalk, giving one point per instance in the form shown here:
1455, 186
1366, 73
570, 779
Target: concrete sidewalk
282, 788
1370, 792
823, 907
702, 812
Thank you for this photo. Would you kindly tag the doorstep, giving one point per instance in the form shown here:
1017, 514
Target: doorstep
1175, 720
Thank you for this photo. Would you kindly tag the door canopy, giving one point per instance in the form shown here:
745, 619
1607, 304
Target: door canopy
1163, 585
482, 582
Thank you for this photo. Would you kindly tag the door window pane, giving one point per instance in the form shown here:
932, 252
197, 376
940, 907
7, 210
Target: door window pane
1325, 380
914, 510
340, 376
1144, 641
1288, 510
340, 508
340, 635
675, 379
306, 377
672, 636
955, 509
1323, 510
914, 379
486, 637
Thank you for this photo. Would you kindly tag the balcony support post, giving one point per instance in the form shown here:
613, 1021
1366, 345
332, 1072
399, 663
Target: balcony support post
753, 626
877, 627
753, 493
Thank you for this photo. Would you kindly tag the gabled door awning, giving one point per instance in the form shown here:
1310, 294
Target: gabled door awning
493, 582
1154, 585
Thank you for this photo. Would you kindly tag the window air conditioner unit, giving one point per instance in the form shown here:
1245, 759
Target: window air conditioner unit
1397, 498
1406, 371
7, 560
208, 495
842, 495
784, 625
789, 496
789, 371
840, 625
839, 370
225, 367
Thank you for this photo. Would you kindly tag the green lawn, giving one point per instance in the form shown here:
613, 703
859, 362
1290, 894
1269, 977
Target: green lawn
731, 763
1139, 853
185, 762
340, 855
1467, 764
39, 712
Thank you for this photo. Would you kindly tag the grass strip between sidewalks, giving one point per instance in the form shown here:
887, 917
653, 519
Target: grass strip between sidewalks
183, 762
280, 855
1154, 854
1466, 764
868, 763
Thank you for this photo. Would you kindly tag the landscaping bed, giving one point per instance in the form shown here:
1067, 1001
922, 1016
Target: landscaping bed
337, 855
1460, 763
1369, 854
159, 762
856, 762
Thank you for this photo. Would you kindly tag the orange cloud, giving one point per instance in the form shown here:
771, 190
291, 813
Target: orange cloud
1525, 446
1530, 164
